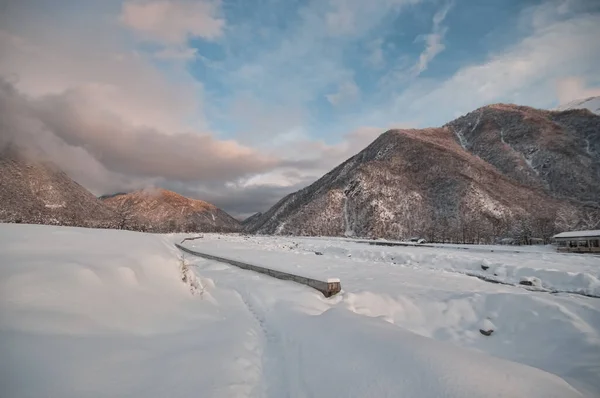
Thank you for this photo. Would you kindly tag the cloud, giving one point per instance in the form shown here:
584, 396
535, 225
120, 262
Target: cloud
347, 92
258, 122
356, 17
175, 53
306, 157
376, 56
67, 121
574, 88
433, 41
117, 79
524, 73
106, 113
173, 21
117, 115
240, 201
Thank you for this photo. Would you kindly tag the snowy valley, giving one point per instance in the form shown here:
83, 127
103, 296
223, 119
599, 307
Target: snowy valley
299, 199
94, 313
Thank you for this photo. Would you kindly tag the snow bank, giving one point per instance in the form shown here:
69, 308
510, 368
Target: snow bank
557, 272
393, 362
429, 292
104, 313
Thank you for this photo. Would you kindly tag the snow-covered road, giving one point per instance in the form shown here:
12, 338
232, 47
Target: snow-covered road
92, 313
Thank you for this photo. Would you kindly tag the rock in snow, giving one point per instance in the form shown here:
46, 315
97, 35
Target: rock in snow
487, 327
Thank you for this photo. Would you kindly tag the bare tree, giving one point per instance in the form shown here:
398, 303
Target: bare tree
590, 219
544, 224
567, 219
125, 214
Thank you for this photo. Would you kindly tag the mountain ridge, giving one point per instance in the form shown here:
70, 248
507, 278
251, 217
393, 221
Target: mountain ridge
590, 103
499, 169
36, 191
161, 210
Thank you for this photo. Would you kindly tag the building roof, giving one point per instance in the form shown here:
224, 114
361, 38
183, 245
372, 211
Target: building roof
579, 234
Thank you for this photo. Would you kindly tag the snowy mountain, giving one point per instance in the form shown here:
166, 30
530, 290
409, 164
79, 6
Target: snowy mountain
37, 192
160, 210
501, 170
591, 103
556, 151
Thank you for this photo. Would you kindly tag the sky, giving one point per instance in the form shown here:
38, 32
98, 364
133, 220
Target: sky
240, 102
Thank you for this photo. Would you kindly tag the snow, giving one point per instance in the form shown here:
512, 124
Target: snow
578, 234
461, 139
54, 206
95, 313
280, 228
530, 164
347, 225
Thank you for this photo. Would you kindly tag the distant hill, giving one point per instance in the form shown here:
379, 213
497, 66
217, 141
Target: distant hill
500, 170
37, 192
250, 220
590, 103
160, 210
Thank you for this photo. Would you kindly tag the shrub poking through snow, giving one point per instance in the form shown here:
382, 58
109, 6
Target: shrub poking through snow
189, 277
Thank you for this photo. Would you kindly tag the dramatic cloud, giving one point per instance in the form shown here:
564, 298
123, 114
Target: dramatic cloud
242, 102
172, 21
106, 114
113, 78
240, 201
68, 121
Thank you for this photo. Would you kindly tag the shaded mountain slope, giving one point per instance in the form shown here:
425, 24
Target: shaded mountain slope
406, 182
556, 151
38, 192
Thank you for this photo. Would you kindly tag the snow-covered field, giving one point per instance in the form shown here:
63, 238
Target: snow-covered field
104, 313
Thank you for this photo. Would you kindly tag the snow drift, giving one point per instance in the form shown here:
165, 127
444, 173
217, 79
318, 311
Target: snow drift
93, 313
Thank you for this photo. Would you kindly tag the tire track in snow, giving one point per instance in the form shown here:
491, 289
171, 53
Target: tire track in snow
282, 364
282, 357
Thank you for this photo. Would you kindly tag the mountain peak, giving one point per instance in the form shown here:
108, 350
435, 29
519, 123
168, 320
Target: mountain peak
488, 169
